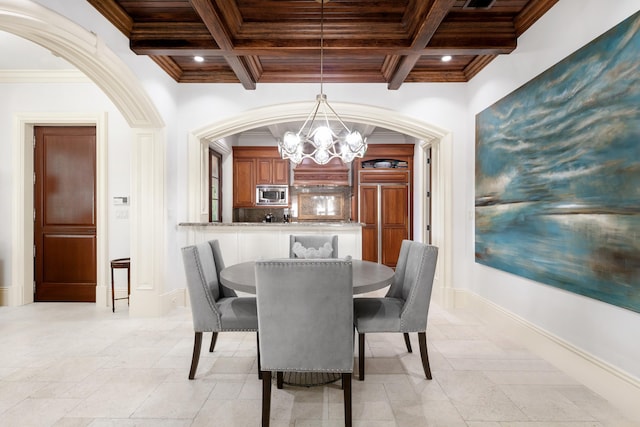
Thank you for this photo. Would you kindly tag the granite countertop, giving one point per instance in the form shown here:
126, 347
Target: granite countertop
271, 224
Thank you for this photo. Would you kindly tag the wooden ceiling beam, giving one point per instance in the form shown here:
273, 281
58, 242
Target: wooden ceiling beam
251, 41
111, 10
453, 46
436, 14
222, 35
531, 13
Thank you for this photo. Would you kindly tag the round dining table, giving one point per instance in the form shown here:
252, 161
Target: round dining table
367, 276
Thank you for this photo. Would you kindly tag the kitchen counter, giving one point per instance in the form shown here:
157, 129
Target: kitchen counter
248, 241
272, 224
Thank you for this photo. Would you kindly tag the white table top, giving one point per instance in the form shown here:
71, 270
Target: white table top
367, 276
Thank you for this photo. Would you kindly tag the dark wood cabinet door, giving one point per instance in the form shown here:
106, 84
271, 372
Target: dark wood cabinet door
65, 214
369, 217
394, 221
244, 189
384, 211
280, 172
264, 169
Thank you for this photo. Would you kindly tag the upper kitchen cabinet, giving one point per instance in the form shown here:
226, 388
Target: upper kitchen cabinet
309, 172
253, 166
272, 171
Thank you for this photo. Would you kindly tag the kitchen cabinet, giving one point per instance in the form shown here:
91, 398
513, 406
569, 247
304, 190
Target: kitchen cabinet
272, 171
244, 183
253, 166
383, 200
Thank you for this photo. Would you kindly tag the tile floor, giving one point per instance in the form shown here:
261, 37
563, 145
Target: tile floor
72, 365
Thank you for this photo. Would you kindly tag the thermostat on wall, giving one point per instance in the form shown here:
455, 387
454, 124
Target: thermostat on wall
120, 200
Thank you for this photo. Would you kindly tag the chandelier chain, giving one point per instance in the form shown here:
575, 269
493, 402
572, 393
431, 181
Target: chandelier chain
320, 142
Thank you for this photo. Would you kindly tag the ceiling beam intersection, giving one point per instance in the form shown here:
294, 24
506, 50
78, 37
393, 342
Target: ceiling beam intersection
438, 11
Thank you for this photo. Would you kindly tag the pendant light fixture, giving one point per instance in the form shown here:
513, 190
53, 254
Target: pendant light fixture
316, 139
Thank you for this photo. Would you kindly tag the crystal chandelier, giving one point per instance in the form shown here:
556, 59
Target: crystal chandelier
316, 139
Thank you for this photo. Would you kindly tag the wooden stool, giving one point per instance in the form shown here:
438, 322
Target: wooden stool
120, 263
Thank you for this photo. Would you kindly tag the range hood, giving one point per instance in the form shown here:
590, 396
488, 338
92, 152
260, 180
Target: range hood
309, 173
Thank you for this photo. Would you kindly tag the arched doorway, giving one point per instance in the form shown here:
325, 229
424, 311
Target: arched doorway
91, 56
430, 137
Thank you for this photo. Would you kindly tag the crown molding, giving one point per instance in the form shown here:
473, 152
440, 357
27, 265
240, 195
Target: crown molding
43, 76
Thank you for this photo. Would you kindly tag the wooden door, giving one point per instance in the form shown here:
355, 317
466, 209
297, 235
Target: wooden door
369, 217
394, 221
65, 219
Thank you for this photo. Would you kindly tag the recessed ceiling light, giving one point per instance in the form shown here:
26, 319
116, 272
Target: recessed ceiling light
198, 58
446, 58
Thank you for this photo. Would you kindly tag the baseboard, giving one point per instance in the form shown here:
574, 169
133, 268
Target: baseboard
5, 297
615, 385
175, 298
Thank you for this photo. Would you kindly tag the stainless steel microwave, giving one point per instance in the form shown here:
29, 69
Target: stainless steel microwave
272, 195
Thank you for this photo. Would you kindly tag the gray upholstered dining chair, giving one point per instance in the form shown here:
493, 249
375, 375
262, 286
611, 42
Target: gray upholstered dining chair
214, 307
405, 307
305, 317
313, 246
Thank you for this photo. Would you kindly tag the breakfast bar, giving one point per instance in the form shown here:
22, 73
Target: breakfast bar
249, 241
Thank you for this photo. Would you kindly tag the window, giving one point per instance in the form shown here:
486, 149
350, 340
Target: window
215, 186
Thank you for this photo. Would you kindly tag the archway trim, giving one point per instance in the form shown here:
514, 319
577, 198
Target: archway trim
430, 136
87, 52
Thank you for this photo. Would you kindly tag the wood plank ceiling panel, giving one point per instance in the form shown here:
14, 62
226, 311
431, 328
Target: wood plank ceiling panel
265, 41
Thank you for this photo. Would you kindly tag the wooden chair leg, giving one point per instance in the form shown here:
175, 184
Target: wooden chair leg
407, 341
128, 285
422, 340
266, 398
214, 338
346, 386
258, 355
279, 379
113, 295
197, 343
361, 357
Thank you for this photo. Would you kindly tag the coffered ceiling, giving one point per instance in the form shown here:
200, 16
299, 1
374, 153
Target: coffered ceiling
394, 42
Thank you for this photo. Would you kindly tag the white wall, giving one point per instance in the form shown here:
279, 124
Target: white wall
66, 99
161, 88
440, 104
602, 330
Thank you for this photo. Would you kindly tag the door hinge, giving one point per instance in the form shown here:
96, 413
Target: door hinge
34, 141
34, 215
428, 228
34, 251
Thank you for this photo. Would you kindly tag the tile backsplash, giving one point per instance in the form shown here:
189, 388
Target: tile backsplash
258, 214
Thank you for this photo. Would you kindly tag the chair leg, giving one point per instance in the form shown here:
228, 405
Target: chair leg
407, 341
279, 379
361, 357
258, 355
266, 398
346, 386
214, 338
113, 295
197, 343
422, 340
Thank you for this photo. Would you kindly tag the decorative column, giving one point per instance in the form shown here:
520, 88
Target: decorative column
147, 223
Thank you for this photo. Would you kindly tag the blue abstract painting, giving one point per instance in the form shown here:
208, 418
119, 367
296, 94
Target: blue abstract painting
558, 173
